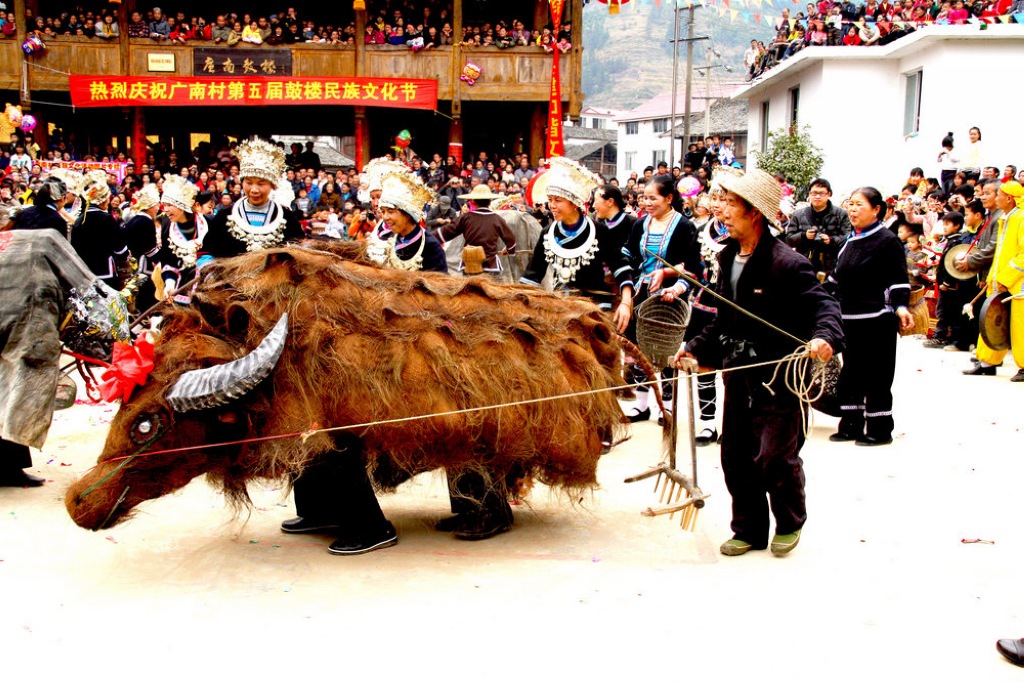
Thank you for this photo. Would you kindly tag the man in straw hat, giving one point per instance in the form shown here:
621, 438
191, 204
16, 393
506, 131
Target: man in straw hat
1006, 276
482, 228
574, 249
762, 428
256, 221
97, 236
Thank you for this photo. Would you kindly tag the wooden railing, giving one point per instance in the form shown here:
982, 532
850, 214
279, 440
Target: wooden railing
518, 74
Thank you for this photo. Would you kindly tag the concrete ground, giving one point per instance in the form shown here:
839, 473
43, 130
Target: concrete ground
882, 584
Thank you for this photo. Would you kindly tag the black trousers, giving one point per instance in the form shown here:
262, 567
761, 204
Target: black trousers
865, 384
14, 456
761, 440
335, 488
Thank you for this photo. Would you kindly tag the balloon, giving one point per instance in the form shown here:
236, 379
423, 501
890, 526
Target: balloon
33, 44
13, 115
28, 123
528, 195
689, 186
403, 139
470, 73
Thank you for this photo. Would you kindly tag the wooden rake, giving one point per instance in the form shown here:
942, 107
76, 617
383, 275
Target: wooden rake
670, 483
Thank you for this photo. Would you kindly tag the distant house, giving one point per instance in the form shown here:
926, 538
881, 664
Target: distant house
644, 133
593, 141
877, 112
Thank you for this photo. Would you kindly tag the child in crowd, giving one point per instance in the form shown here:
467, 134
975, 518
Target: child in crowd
949, 311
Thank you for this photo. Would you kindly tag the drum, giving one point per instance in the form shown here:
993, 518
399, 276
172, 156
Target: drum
995, 321
919, 309
952, 254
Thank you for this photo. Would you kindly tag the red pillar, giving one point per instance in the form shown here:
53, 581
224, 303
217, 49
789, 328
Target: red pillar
139, 150
360, 135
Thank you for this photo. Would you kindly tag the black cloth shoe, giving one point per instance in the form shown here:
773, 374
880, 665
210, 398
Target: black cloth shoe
936, 343
979, 371
362, 544
871, 441
484, 525
1019, 376
707, 437
840, 437
301, 524
19, 478
640, 415
1012, 650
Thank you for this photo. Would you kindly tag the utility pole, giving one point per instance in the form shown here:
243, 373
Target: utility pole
707, 87
689, 39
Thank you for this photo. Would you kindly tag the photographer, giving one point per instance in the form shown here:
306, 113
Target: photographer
818, 231
452, 190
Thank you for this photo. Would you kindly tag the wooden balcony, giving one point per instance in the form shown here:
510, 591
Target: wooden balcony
519, 74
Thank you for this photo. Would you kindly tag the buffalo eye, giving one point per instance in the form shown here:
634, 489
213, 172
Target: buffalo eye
145, 427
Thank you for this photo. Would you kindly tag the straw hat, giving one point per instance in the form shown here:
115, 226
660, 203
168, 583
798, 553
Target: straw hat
406, 192
481, 191
146, 198
260, 159
179, 192
567, 179
758, 188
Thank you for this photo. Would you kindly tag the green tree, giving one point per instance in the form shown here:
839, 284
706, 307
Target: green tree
792, 153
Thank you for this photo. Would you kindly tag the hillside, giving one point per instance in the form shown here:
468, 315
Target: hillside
627, 58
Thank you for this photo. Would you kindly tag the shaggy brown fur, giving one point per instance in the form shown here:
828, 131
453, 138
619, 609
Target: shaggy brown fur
366, 345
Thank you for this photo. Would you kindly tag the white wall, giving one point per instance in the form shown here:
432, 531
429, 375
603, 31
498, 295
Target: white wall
855, 109
644, 143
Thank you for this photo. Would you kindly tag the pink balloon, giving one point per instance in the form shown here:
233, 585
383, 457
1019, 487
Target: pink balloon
28, 123
689, 186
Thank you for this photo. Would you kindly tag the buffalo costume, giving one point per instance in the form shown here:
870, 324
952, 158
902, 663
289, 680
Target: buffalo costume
870, 282
246, 227
762, 430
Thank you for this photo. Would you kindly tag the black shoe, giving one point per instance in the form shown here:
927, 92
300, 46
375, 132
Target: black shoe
303, 525
19, 478
640, 415
936, 343
979, 371
362, 545
484, 525
452, 523
1012, 650
871, 441
707, 437
1019, 376
840, 437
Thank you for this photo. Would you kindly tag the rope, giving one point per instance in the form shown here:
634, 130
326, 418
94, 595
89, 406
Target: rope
800, 373
305, 435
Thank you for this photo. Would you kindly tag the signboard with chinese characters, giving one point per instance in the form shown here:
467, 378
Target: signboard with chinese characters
154, 91
162, 62
117, 168
232, 63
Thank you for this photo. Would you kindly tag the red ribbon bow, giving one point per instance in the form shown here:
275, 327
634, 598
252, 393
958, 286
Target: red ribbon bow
129, 368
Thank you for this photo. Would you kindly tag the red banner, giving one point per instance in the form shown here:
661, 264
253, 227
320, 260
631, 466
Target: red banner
151, 91
117, 168
555, 146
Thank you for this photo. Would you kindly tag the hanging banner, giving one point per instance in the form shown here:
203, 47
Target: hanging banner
152, 91
555, 145
115, 168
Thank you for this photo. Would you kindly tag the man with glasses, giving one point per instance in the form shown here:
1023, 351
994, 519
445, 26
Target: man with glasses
818, 231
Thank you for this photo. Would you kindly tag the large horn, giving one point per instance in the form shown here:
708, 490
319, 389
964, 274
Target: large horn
201, 389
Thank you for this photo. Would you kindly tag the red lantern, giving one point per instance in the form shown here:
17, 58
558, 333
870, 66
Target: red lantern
613, 5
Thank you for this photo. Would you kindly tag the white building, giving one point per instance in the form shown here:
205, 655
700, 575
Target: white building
592, 140
877, 112
642, 131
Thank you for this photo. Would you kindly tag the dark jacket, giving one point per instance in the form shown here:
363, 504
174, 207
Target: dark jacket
779, 286
833, 221
870, 277
220, 243
100, 243
485, 228
39, 218
682, 249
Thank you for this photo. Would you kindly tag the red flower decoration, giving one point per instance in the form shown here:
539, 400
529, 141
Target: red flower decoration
129, 368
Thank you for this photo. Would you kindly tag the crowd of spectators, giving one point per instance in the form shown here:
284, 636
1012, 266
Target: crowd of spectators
415, 25
874, 22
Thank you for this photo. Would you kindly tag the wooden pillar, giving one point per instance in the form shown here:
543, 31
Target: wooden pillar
19, 37
541, 15
361, 41
576, 62
139, 150
362, 129
538, 123
362, 138
455, 138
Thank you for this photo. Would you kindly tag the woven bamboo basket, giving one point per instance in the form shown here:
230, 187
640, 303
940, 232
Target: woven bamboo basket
919, 309
660, 327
